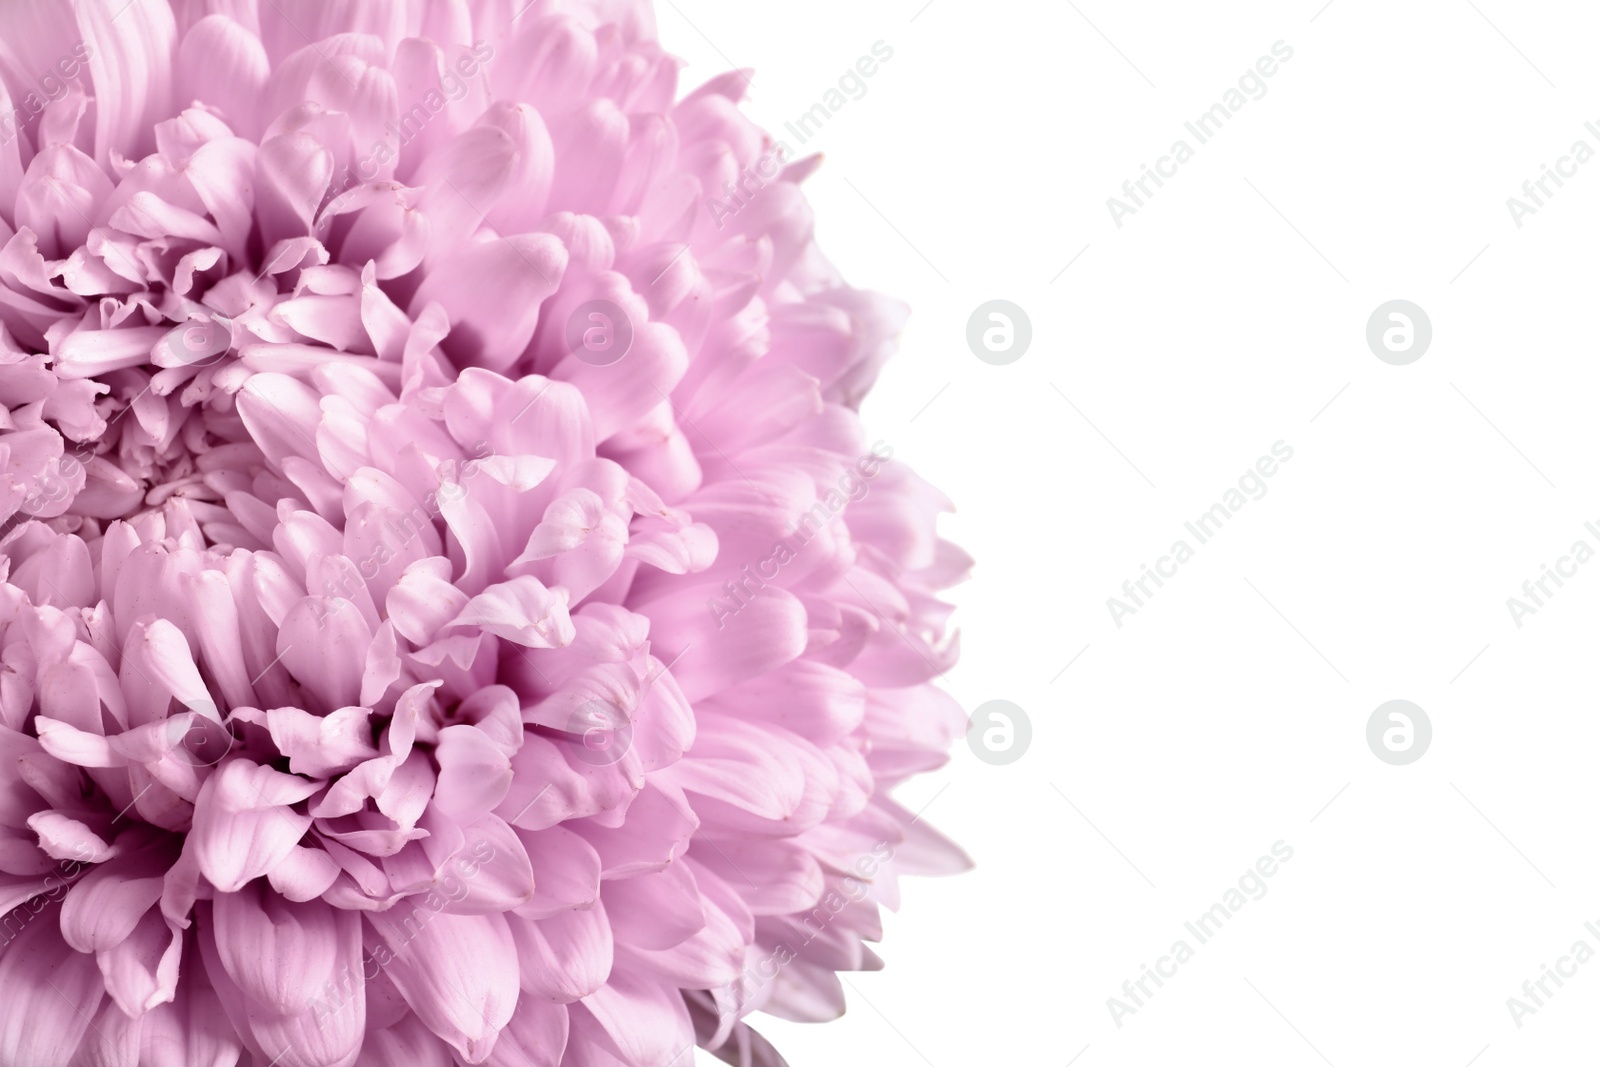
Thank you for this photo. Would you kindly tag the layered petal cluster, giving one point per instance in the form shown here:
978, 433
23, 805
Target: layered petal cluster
450, 610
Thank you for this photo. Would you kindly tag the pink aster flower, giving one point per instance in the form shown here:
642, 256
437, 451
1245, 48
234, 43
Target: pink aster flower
451, 611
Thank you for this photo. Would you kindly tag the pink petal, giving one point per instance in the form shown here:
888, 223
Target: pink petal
656, 910
535, 1037
644, 1022
721, 648
521, 610
323, 642
567, 875
279, 954
223, 64
128, 60
243, 825
564, 957
101, 910
141, 971
319, 746
305, 874
512, 275
52, 992
458, 972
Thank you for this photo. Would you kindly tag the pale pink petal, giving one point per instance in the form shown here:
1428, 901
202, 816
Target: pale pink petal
459, 973
564, 957
52, 993
243, 825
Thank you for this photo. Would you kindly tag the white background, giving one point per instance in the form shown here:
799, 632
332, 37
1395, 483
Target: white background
1230, 712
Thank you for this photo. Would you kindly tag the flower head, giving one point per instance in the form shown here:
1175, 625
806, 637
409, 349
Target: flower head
451, 611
